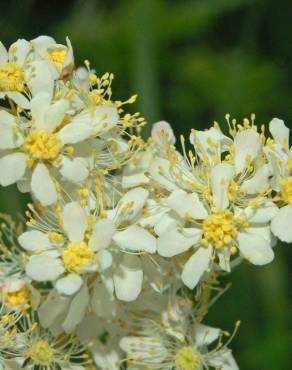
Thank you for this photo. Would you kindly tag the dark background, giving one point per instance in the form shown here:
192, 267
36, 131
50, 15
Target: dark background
190, 62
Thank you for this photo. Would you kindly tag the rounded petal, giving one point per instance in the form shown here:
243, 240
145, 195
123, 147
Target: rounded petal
19, 50
69, 284
55, 115
262, 214
135, 238
128, 278
74, 169
205, 335
255, 248
102, 235
74, 221
136, 198
44, 268
259, 182
8, 139
196, 266
281, 224
3, 54
221, 176
280, 132
39, 105
12, 168
42, 186
174, 242
75, 132
162, 133
247, 145
186, 204
34, 240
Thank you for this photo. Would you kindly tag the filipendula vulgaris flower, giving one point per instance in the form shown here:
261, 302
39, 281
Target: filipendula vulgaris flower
217, 200
174, 339
88, 255
38, 348
280, 159
16, 292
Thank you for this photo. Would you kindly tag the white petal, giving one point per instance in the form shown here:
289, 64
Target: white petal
104, 118
74, 169
19, 51
221, 176
255, 249
42, 185
18, 98
223, 360
103, 301
128, 278
12, 168
3, 54
44, 268
41, 77
281, 224
247, 144
135, 238
39, 105
175, 242
77, 310
75, 132
105, 259
34, 240
165, 223
8, 139
41, 44
52, 308
280, 132
74, 221
259, 182
196, 266
55, 115
186, 204
263, 213
69, 284
162, 133
136, 198
159, 171
102, 235
205, 335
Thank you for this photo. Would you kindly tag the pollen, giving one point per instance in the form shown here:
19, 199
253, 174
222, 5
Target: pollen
76, 255
58, 56
188, 358
41, 352
286, 185
11, 77
42, 145
219, 229
17, 298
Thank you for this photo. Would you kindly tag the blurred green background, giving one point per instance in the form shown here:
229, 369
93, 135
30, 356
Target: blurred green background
190, 62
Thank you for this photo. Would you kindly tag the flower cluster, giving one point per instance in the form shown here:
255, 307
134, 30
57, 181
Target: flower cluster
125, 240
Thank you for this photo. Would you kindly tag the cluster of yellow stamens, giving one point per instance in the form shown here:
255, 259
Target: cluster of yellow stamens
188, 358
76, 255
286, 185
18, 298
11, 77
41, 352
219, 229
58, 57
43, 145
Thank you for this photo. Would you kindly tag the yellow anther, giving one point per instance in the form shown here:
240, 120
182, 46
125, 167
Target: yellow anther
42, 145
76, 255
11, 77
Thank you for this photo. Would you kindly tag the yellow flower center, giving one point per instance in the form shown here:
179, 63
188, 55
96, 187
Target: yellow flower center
11, 77
219, 229
41, 352
188, 358
58, 57
286, 185
18, 298
76, 255
42, 145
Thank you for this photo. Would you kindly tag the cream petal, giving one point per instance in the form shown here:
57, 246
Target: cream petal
104, 118
196, 266
75, 132
128, 278
247, 144
39, 105
102, 235
261, 214
106, 356
12, 168
105, 259
159, 171
19, 51
3, 54
34, 240
55, 115
223, 360
221, 175
44, 268
205, 335
77, 310
69, 284
74, 221
259, 182
42, 43
185, 204
280, 132
8, 139
103, 302
74, 169
174, 242
136, 198
255, 248
42, 186
40, 77
135, 238
281, 224
162, 133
